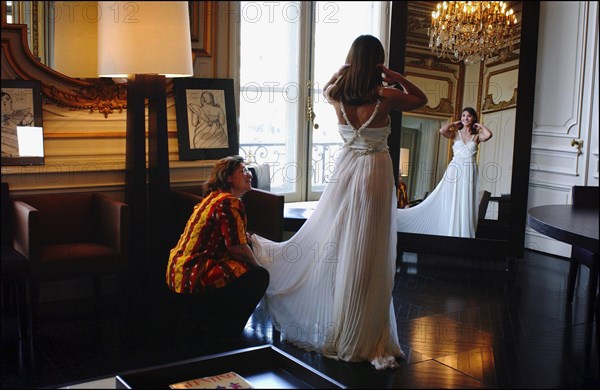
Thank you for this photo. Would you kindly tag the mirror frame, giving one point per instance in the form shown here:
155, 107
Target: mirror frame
513, 247
93, 95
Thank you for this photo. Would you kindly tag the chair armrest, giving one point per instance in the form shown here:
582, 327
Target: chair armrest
112, 222
25, 227
484, 200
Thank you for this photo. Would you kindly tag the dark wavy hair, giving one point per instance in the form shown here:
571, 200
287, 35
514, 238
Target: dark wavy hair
359, 80
222, 170
473, 113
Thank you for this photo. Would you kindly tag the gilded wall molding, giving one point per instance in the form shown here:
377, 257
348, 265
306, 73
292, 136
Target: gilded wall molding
102, 97
96, 95
490, 106
444, 108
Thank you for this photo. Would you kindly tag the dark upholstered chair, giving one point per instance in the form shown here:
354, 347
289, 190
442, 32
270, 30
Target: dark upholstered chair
15, 270
264, 211
584, 197
261, 176
71, 236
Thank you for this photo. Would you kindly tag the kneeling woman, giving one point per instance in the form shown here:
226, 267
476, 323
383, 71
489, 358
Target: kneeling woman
212, 265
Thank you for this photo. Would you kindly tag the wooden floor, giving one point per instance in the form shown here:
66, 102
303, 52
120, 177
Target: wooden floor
463, 323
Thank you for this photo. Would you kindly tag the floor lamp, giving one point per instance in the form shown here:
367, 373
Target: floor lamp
145, 42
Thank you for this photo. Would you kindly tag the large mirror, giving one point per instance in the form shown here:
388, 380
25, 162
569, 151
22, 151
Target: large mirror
490, 87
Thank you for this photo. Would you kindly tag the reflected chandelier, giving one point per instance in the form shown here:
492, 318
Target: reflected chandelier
470, 31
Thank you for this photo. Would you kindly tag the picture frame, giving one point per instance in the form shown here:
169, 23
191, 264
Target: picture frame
22, 110
206, 118
203, 19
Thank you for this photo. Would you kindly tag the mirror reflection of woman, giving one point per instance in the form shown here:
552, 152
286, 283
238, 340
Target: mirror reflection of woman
451, 208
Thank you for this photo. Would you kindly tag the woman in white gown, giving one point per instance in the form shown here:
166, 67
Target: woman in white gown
331, 284
451, 208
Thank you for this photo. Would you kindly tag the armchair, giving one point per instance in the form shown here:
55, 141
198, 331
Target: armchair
261, 176
264, 211
15, 269
70, 236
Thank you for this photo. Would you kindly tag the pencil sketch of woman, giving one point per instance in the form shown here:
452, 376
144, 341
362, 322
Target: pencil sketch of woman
12, 118
209, 123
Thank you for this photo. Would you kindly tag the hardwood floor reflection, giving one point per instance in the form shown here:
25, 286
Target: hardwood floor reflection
463, 323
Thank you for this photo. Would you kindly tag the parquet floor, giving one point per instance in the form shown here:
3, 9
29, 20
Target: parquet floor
463, 323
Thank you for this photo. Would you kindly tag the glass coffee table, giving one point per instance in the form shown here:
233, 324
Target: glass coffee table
265, 367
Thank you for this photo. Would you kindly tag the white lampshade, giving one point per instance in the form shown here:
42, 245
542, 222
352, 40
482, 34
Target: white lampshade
144, 37
404, 161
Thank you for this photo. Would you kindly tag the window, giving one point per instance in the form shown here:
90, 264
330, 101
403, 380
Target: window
288, 51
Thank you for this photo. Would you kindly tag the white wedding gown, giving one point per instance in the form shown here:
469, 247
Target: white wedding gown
331, 284
451, 208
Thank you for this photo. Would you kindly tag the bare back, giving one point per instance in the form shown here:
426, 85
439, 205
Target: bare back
391, 99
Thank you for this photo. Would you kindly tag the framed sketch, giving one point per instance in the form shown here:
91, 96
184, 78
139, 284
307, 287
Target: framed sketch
22, 134
206, 119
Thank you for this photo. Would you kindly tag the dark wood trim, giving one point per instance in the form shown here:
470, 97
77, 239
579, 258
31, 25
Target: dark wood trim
524, 125
397, 58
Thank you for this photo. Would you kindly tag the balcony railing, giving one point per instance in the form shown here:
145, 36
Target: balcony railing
285, 172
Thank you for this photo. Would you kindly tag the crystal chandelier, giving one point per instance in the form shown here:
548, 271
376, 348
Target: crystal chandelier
470, 31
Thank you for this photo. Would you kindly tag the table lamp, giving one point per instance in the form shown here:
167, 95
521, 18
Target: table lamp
145, 42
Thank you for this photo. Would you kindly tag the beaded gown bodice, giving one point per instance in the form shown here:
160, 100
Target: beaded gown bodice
365, 139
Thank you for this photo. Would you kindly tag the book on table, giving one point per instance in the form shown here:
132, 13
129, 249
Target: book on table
227, 380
